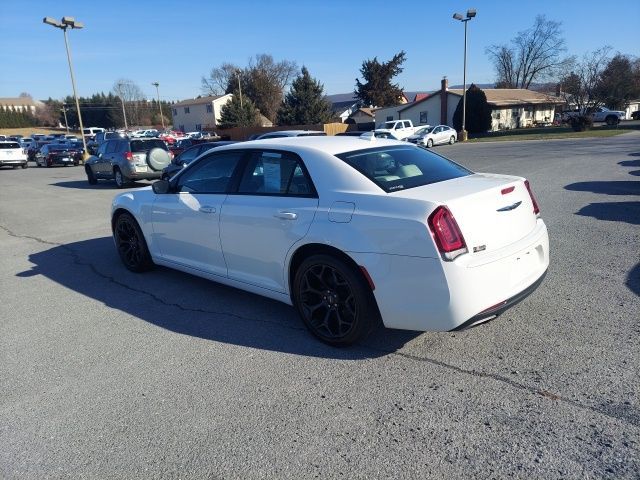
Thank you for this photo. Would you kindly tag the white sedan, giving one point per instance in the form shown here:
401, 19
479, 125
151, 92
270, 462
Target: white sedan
348, 230
438, 135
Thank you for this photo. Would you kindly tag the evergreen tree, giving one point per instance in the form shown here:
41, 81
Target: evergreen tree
239, 114
478, 113
377, 89
305, 103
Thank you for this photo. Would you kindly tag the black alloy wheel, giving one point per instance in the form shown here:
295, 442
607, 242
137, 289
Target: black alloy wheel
131, 244
333, 300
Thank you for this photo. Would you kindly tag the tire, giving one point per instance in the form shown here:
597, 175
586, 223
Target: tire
333, 300
131, 245
430, 143
119, 178
452, 140
611, 120
25, 165
158, 159
91, 178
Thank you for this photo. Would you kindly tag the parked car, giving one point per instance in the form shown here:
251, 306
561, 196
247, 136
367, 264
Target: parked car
598, 114
25, 143
397, 129
190, 154
348, 230
438, 135
90, 133
100, 138
635, 115
420, 132
350, 134
182, 144
34, 148
12, 155
58, 154
291, 133
128, 159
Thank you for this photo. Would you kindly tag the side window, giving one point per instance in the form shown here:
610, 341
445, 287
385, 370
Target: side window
112, 146
211, 174
275, 173
102, 148
189, 154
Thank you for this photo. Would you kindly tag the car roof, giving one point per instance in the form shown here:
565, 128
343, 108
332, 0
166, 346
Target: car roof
333, 145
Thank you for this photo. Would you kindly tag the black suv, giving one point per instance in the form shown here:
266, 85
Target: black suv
190, 154
128, 159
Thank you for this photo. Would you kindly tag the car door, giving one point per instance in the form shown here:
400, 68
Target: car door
272, 209
186, 227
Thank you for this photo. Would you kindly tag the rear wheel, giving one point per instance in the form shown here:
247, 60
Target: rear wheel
25, 165
131, 244
119, 178
611, 120
334, 301
91, 178
452, 140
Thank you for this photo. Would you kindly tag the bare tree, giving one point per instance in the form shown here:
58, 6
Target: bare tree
263, 81
219, 79
132, 96
535, 54
581, 86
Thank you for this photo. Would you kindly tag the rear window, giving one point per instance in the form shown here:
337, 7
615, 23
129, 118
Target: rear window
6, 146
399, 168
146, 145
312, 134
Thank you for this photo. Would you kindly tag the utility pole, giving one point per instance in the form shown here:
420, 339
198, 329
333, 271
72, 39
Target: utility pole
64, 112
124, 113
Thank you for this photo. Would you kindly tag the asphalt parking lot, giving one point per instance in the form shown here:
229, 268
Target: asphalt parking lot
108, 374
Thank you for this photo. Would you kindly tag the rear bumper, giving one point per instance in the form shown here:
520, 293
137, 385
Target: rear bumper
429, 294
13, 162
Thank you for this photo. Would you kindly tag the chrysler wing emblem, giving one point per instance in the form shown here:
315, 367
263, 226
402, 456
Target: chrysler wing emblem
509, 207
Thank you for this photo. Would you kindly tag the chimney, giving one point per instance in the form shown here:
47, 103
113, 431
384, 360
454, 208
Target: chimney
444, 97
558, 89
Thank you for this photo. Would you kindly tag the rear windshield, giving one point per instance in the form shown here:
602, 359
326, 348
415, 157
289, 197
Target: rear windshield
146, 145
399, 167
313, 134
6, 146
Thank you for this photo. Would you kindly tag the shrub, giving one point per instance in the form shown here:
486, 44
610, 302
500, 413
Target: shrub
581, 123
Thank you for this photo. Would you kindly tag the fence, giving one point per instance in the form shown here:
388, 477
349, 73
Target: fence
243, 133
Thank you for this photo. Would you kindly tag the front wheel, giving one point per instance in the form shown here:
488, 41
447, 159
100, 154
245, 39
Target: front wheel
429, 143
334, 301
132, 247
25, 165
452, 140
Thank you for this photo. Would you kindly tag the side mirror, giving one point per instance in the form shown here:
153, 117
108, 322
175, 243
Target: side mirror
161, 187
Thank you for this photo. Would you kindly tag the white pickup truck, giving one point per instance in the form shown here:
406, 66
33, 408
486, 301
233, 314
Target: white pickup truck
598, 114
397, 129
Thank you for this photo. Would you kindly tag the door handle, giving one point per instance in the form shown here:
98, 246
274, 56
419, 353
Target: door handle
207, 209
286, 215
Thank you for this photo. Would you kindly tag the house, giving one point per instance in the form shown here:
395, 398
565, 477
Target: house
362, 115
19, 104
511, 108
198, 113
342, 105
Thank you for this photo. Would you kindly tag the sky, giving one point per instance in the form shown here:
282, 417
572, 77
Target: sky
175, 43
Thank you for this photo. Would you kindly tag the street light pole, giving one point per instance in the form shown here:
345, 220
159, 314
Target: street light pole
157, 85
70, 22
470, 14
239, 87
124, 113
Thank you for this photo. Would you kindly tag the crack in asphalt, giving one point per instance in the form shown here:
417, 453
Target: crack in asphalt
632, 419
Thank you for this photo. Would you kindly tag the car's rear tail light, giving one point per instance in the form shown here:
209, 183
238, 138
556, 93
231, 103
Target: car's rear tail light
446, 233
128, 156
536, 208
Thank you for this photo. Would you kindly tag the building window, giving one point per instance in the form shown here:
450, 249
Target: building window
515, 112
389, 118
186, 109
423, 117
496, 114
209, 108
198, 127
527, 112
175, 111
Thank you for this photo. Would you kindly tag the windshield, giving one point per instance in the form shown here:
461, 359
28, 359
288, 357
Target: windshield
399, 168
424, 131
388, 125
5, 146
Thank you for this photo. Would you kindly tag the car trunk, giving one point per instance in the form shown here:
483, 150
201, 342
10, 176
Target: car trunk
490, 213
11, 151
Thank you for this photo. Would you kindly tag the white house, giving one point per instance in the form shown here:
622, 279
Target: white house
511, 108
198, 113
